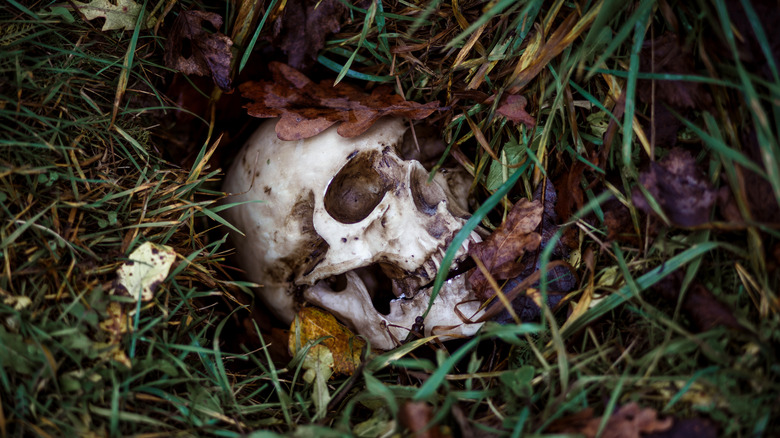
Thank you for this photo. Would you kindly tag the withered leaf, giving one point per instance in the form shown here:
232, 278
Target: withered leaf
307, 108
665, 55
416, 416
121, 14
680, 188
191, 49
620, 225
302, 29
342, 343
527, 301
513, 108
570, 191
706, 311
503, 249
700, 305
629, 421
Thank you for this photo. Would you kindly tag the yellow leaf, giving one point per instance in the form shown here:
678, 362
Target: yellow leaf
312, 324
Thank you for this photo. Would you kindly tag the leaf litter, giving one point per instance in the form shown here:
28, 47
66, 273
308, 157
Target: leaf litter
511, 256
191, 49
628, 421
305, 108
120, 15
679, 187
303, 27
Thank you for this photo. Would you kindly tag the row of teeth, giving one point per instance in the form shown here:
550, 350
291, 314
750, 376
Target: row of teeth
433, 264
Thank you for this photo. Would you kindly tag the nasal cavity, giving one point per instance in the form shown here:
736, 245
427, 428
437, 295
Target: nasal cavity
356, 190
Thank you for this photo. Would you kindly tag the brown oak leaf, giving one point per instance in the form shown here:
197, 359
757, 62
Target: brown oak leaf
306, 108
191, 49
502, 251
513, 108
680, 188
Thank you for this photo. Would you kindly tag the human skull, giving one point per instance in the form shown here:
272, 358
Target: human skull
321, 216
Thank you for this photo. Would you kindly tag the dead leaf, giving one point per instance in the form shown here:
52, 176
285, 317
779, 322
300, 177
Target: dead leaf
527, 302
120, 16
703, 309
147, 267
503, 249
191, 49
620, 225
570, 190
561, 38
306, 108
706, 311
303, 27
629, 421
138, 277
680, 188
513, 108
665, 54
415, 416
345, 347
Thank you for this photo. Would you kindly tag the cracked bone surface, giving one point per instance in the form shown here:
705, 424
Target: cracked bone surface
320, 215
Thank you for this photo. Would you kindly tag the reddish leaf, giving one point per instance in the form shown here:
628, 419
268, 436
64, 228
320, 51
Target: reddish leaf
192, 50
306, 108
570, 191
501, 251
629, 421
679, 187
303, 27
513, 108
620, 224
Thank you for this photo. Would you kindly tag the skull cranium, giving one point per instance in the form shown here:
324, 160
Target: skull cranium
321, 215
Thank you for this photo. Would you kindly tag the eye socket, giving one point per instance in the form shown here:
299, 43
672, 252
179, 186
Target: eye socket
355, 191
426, 195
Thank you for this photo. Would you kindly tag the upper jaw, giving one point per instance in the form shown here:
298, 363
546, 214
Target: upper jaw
410, 285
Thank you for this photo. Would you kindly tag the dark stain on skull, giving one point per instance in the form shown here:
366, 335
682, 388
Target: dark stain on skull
356, 190
267, 190
307, 256
314, 258
437, 227
304, 208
